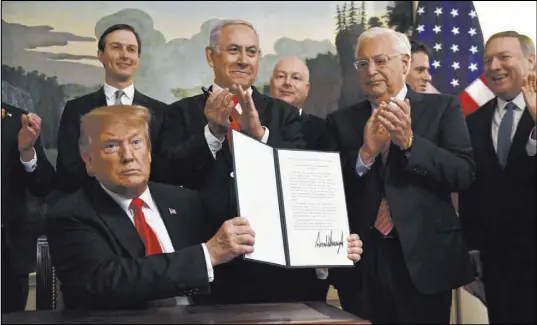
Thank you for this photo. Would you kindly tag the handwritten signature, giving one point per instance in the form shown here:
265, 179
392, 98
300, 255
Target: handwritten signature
329, 242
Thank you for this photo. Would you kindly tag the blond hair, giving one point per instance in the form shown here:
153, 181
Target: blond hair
93, 122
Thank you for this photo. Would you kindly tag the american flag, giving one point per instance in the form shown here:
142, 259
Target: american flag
452, 31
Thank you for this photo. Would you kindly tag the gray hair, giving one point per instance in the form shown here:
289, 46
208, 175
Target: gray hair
402, 44
214, 38
526, 44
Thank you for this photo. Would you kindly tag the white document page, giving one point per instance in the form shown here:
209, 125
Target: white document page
257, 195
315, 209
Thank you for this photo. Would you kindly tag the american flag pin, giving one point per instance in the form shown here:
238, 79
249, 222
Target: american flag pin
172, 211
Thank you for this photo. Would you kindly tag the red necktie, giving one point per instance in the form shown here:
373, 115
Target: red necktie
233, 124
152, 246
384, 222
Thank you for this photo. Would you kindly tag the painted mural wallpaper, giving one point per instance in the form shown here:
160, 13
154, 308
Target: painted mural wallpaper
49, 49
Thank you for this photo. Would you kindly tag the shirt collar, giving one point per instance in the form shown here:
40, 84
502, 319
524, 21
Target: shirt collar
518, 101
300, 112
216, 87
110, 92
401, 95
125, 202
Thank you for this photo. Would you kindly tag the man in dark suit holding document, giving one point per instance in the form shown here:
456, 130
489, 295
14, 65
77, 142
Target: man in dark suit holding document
198, 127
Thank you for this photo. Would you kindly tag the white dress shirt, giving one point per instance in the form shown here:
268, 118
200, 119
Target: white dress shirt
110, 93
500, 111
31, 165
154, 220
213, 142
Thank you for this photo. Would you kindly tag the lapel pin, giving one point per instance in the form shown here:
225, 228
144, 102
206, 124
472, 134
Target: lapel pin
172, 211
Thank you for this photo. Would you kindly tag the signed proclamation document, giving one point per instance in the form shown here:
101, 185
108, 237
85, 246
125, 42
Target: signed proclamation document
295, 202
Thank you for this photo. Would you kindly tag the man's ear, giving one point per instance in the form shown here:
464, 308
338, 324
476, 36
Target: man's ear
86, 157
209, 55
406, 63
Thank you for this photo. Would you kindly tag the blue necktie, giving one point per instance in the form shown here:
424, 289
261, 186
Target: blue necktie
504, 134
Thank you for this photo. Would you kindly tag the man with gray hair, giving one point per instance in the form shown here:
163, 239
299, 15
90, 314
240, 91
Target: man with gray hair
198, 127
401, 159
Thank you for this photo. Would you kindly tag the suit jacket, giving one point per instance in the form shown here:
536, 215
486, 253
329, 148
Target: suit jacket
239, 281
100, 258
20, 228
417, 189
499, 207
315, 133
71, 170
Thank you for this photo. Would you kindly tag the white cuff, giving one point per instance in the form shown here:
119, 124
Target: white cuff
213, 142
322, 273
264, 139
361, 167
210, 273
31, 165
531, 145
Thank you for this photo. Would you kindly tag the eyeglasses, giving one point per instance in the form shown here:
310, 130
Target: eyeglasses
380, 61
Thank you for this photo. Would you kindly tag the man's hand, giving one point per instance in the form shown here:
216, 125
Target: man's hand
235, 237
375, 137
354, 248
529, 90
249, 119
217, 110
396, 119
28, 134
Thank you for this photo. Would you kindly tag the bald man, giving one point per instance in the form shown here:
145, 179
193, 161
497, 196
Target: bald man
290, 82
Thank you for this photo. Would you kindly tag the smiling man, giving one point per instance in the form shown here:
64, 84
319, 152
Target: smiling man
290, 82
499, 209
197, 128
119, 50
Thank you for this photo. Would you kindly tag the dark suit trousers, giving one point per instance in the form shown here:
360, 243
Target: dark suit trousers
387, 292
14, 288
509, 290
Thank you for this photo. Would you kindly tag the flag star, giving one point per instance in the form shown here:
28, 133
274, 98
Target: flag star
472, 14
455, 31
437, 29
472, 32
438, 11
473, 49
456, 65
420, 28
473, 67
454, 12
454, 82
421, 10
436, 64
455, 48
437, 47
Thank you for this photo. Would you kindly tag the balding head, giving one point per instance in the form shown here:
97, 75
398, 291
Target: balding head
290, 81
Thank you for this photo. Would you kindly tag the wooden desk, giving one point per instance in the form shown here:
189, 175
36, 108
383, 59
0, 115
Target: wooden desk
281, 313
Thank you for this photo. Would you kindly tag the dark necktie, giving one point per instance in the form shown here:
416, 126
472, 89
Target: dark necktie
119, 94
504, 134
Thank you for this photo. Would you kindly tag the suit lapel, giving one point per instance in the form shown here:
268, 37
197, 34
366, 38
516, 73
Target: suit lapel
99, 99
117, 220
175, 217
518, 146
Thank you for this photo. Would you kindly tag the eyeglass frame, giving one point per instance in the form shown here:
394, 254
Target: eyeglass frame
390, 57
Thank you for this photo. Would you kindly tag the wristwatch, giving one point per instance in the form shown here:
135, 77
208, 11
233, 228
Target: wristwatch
408, 146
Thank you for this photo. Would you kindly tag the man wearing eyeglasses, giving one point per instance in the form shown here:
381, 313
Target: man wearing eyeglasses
401, 159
